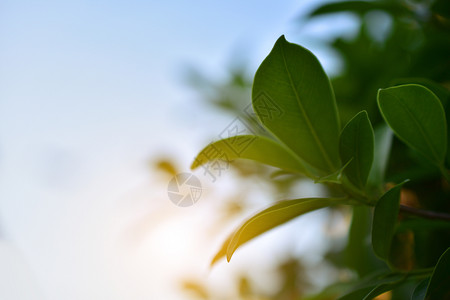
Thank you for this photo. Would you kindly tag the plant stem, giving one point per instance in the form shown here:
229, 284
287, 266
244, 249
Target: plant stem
425, 213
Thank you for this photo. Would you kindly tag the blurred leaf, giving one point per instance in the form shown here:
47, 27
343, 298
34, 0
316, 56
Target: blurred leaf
401, 252
416, 116
166, 166
359, 254
374, 285
383, 143
384, 220
441, 7
196, 288
272, 217
330, 292
258, 148
422, 224
357, 144
293, 98
439, 287
383, 288
420, 290
359, 7
245, 287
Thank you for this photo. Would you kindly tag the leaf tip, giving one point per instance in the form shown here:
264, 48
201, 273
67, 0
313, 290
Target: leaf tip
229, 255
195, 164
231, 248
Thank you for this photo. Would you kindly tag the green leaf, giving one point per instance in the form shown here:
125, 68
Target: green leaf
443, 95
256, 148
383, 288
334, 177
420, 290
384, 220
374, 285
270, 218
358, 253
441, 92
416, 116
359, 7
383, 142
441, 7
357, 143
293, 98
438, 287
357, 294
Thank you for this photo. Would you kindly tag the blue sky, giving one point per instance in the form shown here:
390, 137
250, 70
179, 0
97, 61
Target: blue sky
89, 90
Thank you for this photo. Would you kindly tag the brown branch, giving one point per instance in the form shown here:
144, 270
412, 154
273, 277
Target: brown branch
425, 213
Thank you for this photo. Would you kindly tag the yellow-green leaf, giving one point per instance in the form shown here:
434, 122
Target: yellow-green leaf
274, 216
257, 148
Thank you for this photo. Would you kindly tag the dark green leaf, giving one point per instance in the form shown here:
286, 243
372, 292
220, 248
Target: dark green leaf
416, 116
359, 7
357, 143
420, 290
258, 148
357, 294
441, 7
384, 220
274, 216
373, 285
383, 142
359, 255
439, 286
383, 288
293, 98
441, 92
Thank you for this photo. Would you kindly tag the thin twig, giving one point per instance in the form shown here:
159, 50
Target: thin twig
425, 213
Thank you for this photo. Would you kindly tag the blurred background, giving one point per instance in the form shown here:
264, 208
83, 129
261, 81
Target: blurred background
103, 102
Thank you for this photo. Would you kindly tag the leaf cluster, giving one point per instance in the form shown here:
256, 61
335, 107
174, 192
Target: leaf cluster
382, 165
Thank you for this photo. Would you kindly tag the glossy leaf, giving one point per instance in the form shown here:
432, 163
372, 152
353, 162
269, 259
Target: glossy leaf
383, 142
384, 220
416, 116
257, 148
270, 218
438, 287
293, 98
357, 144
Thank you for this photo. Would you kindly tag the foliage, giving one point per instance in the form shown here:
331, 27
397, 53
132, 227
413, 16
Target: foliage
399, 182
